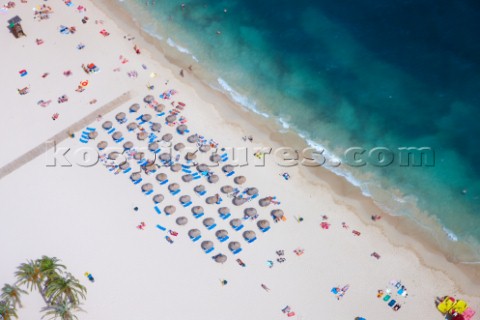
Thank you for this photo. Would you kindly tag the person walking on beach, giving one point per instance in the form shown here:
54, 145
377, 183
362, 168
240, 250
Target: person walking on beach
264, 287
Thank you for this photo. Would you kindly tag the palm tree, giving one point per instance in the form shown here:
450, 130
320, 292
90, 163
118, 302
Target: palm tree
62, 288
7, 311
63, 310
50, 268
29, 274
12, 293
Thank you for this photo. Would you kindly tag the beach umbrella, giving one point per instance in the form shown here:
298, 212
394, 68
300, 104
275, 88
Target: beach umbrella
135, 176
208, 222
156, 127
193, 233
250, 212
221, 233
176, 167
262, 224
179, 146
227, 168
206, 245
149, 98
252, 191
102, 145
128, 145
265, 202
132, 126
213, 178
142, 135
224, 210
185, 199
147, 187
134, 107
211, 199
107, 125
239, 201
226, 189
193, 138
113, 155
172, 187
249, 235
171, 118
215, 158
167, 137
199, 188
92, 135
181, 221
159, 107
161, 177
234, 245
146, 117
220, 258
197, 209
204, 148
170, 210
117, 135
165, 156
120, 116
182, 128
277, 214
139, 156
153, 146
235, 223
240, 180
124, 166
190, 156
187, 177
203, 167
158, 198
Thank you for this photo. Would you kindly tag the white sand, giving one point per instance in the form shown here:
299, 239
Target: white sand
85, 216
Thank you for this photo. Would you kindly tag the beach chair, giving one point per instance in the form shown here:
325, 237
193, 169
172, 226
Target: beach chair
199, 215
149, 192
161, 114
127, 170
161, 227
112, 130
157, 209
209, 250
231, 173
138, 181
254, 196
240, 227
157, 151
202, 193
83, 140
223, 239
212, 226
252, 240
186, 171
139, 117
225, 216
91, 129
174, 193
164, 182
142, 162
187, 204
196, 238
237, 251
265, 229
184, 166
119, 140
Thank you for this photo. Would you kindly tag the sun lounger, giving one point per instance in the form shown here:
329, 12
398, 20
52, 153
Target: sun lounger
139, 117
142, 162
187, 204
212, 226
225, 216
174, 193
184, 166
161, 114
91, 129
111, 131
186, 171
199, 215
240, 227
223, 239
195, 174
202, 193
265, 229
138, 181
119, 140
149, 192
157, 151
164, 182
83, 140
127, 170
231, 173
157, 209
209, 250
161, 227
252, 240
237, 251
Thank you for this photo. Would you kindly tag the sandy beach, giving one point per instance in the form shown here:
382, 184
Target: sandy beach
81, 209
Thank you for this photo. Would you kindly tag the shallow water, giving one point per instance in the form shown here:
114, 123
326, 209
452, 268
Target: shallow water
354, 73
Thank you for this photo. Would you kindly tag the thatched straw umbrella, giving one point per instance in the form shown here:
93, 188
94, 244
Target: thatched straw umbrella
135, 176
171, 118
113, 155
197, 209
185, 199
139, 156
161, 177
190, 156
167, 137
206, 245
124, 166
249, 235
176, 167
205, 148
142, 135
193, 233
146, 117
199, 188
156, 127
107, 125
153, 146
213, 178
92, 135
239, 201
223, 210
262, 224
215, 158
250, 212
181, 221
221, 233
211, 199
165, 156
234, 246
158, 198
187, 177
235, 223
202, 167
159, 107
208, 222
147, 187
173, 187
102, 145
117, 135
169, 210
149, 98
179, 146
193, 138
120, 116
132, 126
226, 189
264, 202
252, 191
128, 145
182, 128
277, 214
220, 258
134, 107
227, 168
240, 180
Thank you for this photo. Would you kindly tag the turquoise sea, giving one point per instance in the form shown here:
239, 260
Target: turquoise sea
354, 73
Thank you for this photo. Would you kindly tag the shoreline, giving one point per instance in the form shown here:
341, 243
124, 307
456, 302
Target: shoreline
402, 233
